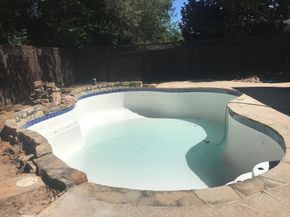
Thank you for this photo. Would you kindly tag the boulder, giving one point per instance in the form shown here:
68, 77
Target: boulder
30, 140
9, 130
50, 85
56, 98
43, 149
37, 84
58, 174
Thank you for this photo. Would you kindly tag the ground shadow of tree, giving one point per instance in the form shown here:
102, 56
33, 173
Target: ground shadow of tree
275, 97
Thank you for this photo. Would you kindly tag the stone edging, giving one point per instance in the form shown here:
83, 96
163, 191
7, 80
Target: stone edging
60, 176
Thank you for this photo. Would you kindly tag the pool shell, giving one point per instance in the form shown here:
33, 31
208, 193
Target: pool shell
58, 175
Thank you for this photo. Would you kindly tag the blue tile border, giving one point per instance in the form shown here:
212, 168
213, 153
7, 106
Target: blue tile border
169, 90
47, 116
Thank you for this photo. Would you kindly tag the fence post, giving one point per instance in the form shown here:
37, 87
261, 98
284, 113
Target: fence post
144, 66
196, 57
108, 70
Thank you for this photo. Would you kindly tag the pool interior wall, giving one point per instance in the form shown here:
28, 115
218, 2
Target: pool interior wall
151, 140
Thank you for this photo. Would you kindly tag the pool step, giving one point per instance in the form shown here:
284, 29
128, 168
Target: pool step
258, 169
61, 128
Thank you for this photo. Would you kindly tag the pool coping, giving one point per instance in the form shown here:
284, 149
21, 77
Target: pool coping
59, 175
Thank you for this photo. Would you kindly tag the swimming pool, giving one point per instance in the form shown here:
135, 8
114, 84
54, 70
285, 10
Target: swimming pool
159, 139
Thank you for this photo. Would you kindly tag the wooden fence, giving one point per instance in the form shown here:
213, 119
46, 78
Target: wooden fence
209, 59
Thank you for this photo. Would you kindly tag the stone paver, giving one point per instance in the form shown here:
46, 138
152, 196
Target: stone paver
257, 205
89, 207
216, 195
177, 198
108, 194
260, 205
280, 173
249, 186
281, 194
287, 156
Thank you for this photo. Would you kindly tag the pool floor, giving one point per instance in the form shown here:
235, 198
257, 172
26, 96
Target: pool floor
154, 154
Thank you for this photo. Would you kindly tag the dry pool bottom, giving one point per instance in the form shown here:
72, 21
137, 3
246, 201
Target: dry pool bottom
161, 140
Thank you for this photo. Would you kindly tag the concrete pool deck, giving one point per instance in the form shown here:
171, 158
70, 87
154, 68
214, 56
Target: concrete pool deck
266, 195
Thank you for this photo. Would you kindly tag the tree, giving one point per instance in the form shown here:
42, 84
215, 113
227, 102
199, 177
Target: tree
201, 20
85, 23
14, 16
74, 23
231, 19
145, 21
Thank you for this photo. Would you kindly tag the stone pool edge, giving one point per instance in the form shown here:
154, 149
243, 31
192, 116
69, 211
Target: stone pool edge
59, 175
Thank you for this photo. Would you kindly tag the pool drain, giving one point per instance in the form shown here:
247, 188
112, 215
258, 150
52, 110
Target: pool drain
26, 182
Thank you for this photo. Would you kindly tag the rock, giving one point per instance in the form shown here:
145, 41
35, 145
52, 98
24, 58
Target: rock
30, 167
38, 91
29, 111
135, 83
58, 174
23, 114
43, 149
13, 152
46, 93
75, 176
50, 85
37, 108
149, 85
30, 140
37, 84
10, 129
36, 101
45, 96
17, 116
56, 89
66, 90
125, 83
26, 164
25, 158
43, 101
9, 151
70, 100
14, 140
38, 114
56, 98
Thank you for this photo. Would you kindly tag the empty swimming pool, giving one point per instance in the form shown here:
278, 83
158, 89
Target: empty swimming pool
158, 139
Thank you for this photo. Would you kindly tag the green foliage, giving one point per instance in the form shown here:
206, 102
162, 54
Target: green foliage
84, 23
13, 17
145, 21
232, 19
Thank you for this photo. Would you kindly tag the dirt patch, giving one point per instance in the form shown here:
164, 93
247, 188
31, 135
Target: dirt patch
8, 167
6, 111
29, 203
